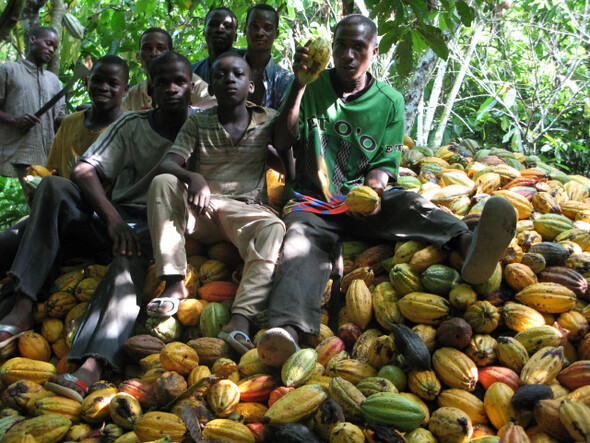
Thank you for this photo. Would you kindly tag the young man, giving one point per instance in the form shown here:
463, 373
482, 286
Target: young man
24, 88
107, 86
220, 34
342, 142
271, 82
127, 153
218, 197
152, 43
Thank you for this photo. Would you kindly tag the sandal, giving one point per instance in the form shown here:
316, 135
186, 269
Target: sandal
65, 391
160, 300
230, 339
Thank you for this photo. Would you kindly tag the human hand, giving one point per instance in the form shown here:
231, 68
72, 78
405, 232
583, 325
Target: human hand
125, 240
25, 121
199, 194
301, 54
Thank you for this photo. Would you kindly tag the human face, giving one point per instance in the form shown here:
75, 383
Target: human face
107, 86
150, 46
353, 51
172, 87
261, 30
220, 31
43, 47
230, 82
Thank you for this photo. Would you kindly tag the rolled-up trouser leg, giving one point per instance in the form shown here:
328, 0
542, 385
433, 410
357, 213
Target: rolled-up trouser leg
167, 218
406, 215
109, 318
58, 207
303, 270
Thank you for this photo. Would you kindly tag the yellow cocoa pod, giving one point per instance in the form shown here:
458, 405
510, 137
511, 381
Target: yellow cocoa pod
362, 199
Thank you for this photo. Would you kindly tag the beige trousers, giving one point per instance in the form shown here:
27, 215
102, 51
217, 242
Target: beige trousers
254, 229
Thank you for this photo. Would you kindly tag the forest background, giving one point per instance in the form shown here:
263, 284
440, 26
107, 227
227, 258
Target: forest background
514, 75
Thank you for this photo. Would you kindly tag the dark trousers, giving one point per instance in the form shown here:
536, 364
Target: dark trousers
312, 239
9, 241
62, 220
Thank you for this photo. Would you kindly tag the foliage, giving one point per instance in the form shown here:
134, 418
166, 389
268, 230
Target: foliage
13, 205
528, 85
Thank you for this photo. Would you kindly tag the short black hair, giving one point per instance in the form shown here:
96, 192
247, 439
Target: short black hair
263, 7
169, 58
39, 31
161, 31
357, 19
226, 55
111, 59
223, 9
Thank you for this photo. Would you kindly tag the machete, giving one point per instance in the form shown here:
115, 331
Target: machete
79, 71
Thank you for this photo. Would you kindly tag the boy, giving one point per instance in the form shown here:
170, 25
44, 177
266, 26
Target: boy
24, 88
152, 43
220, 199
271, 82
107, 86
127, 154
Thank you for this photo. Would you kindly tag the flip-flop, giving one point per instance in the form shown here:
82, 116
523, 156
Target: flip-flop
175, 304
230, 339
275, 346
64, 390
491, 237
8, 347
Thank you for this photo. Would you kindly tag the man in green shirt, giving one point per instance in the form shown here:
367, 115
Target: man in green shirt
345, 130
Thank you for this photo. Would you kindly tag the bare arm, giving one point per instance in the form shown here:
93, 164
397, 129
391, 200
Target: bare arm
286, 127
376, 179
125, 240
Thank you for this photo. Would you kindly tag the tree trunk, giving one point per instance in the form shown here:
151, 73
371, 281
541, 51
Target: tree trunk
10, 17
30, 18
438, 136
433, 102
415, 91
58, 10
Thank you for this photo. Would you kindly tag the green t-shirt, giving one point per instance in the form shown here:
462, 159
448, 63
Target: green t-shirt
346, 140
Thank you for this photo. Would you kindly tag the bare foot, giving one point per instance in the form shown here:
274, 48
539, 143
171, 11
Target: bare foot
89, 373
21, 316
174, 289
239, 323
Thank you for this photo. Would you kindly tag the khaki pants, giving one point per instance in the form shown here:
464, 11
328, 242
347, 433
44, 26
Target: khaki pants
254, 229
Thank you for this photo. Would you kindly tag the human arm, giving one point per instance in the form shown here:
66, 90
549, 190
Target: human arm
199, 193
125, 240
286, 127
24, 121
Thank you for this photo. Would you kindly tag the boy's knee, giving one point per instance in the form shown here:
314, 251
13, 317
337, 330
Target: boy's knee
165, 185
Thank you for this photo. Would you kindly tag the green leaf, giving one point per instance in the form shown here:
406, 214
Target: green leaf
485, 108
114, 47
387, 42
465, 12
434, 39
404, 55
505, 124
